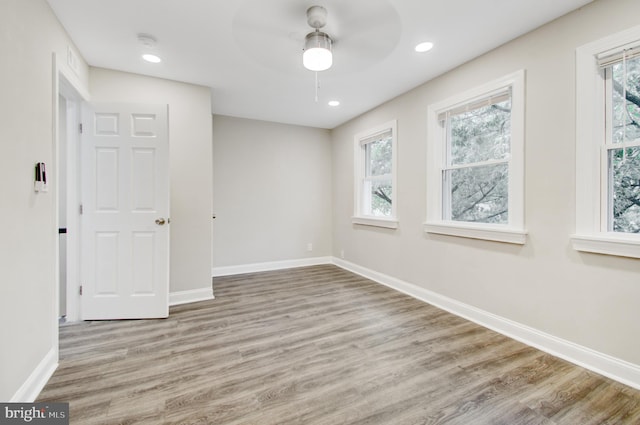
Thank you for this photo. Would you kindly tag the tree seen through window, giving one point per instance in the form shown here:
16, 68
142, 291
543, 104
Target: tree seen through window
476, 180
378, 155
624, 162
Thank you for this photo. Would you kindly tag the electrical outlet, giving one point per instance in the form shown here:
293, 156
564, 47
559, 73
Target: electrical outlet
342, 254
309, 247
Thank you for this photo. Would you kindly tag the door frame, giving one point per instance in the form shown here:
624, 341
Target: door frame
67, 87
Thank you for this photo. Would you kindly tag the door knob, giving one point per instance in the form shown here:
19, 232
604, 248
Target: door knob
160, 221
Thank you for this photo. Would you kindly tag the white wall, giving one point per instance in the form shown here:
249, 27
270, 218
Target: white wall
29, 34
588, 299
272, 192
189, 164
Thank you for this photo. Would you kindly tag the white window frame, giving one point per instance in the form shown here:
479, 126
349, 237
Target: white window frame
512, 232
591, 233
359, 176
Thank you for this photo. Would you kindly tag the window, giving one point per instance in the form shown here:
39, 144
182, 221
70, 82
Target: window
375, 171
475, 156
608, 145
621, 152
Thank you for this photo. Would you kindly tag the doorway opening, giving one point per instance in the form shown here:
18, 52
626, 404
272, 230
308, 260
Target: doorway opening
68, 204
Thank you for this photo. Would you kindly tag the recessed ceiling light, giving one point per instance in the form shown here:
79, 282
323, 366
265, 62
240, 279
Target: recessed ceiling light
424, 47
334, 103
151, 58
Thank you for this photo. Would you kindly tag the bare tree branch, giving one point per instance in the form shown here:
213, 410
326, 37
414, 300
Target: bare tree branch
501, 108
496, 214
482, 198
382, 195
628, 95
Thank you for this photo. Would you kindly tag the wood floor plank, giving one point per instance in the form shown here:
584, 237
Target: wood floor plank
319, 345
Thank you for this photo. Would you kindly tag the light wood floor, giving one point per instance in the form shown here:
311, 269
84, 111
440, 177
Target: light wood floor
319, 345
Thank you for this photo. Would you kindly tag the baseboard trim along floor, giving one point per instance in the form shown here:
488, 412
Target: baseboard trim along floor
603, 364
191, 296
611, 367
30, 389
269, 266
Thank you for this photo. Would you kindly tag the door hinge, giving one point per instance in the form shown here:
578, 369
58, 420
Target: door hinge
80, 289
80, 128
81, 209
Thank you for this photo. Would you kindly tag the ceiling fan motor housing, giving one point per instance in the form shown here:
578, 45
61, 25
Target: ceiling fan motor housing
316, 17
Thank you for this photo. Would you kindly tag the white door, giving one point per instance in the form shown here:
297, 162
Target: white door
125, 212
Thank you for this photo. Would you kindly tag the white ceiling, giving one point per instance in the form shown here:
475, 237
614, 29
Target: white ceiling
250, 51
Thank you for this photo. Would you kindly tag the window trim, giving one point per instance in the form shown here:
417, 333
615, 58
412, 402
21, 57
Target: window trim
513, 232
590, 134
359, 174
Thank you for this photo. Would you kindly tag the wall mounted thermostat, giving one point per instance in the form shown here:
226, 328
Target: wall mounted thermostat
40, 184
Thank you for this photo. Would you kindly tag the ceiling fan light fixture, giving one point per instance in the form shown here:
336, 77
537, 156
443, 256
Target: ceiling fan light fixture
317, 54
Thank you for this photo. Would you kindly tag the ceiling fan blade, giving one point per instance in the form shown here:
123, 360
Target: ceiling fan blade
272, 18
364, 32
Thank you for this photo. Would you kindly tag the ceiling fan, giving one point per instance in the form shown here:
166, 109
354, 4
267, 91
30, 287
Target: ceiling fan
273, 33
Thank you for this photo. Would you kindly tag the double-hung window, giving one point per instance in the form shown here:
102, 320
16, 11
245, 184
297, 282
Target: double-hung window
608, 146
375, 171
475, 173
621, 150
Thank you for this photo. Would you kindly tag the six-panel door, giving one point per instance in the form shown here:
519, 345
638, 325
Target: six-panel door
125, 217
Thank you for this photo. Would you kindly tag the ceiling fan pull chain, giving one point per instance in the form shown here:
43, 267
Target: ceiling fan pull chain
317, 86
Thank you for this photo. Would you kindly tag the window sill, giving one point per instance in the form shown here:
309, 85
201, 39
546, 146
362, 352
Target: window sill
475, 231
607, 243
387, 223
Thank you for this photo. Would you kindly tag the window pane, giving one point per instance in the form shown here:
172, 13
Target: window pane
481, 134
626, 114
378, 157
479, 194
377, 198
624, 170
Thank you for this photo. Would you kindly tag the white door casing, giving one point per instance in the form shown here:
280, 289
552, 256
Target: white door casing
125, 212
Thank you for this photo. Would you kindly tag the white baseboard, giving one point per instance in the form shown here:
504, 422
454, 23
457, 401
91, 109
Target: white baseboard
191, 296
264, 267
31, 388
603, 364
